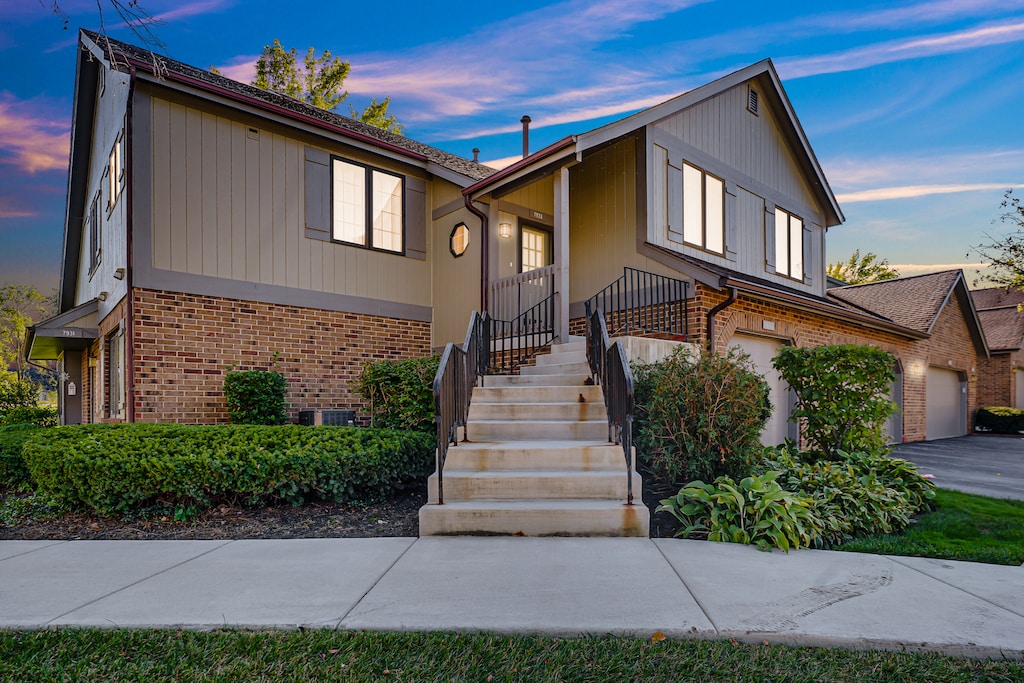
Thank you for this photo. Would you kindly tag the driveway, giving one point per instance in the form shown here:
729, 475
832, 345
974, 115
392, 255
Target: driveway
986, 465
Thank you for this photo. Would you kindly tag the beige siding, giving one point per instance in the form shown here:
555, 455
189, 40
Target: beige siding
456, 281
749, 232
539, 196
230, 206
603, 196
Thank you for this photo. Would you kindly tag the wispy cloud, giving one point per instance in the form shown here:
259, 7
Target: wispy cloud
970, 169
912, 191
903, 49
906, 269
30, 140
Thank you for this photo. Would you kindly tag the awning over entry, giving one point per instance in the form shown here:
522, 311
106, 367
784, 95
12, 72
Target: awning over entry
72, 329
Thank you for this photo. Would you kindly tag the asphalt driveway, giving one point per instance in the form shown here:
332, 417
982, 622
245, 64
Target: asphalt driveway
986, 465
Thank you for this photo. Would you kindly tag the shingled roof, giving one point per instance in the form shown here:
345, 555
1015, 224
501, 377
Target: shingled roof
1000, 316
997, 297
913, 302
127, 55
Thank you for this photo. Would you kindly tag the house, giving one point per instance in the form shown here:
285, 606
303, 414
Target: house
1001, 377
211, 223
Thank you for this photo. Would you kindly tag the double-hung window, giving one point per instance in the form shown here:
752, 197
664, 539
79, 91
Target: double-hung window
703, 209
368, 208
789, 245
95, 233
115, 172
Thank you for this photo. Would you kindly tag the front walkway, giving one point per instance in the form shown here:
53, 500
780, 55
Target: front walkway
554, 586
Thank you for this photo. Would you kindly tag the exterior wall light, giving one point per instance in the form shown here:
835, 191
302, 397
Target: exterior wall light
505, 230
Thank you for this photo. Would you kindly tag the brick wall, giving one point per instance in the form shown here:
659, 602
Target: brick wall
997, 379
184, 343
95, 369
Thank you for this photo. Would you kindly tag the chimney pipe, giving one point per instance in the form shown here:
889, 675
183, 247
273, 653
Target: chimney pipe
476, 155
526, 135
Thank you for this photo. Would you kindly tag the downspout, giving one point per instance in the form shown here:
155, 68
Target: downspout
485, 240
715, 311
129, 361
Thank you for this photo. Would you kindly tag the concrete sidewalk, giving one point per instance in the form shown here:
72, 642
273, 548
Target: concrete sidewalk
552, 586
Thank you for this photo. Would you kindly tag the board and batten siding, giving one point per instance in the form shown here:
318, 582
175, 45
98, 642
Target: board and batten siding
228, 201
456, 280
760, 171
603, 196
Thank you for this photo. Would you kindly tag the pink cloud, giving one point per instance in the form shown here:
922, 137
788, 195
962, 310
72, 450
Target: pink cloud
30, 140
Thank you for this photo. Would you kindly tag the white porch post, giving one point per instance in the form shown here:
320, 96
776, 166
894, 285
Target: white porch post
561, 254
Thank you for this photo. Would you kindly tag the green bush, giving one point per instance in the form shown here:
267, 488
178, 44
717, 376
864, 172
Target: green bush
756, 511
857, 495
1000, 420
119, 468
44, 416
842, 393
699, 416
400, 393
13, 471
256, 397
16, 393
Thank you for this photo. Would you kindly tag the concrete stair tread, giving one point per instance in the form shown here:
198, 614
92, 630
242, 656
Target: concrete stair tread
554, 504
541, 444
540, 474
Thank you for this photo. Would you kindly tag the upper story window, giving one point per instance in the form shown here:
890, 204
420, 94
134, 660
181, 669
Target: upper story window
703, 209
789, 245
95, 233
368, 207
115, 172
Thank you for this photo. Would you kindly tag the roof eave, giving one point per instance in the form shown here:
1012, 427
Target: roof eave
525, 166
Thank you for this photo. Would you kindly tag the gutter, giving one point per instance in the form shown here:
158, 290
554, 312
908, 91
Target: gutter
129, 361
485, 271
550, 150
718, 309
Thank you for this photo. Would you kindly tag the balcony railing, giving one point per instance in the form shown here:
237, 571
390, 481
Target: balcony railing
640, 301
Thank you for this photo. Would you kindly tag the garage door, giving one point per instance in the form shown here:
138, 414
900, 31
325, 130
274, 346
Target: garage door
761, 351
894, 425
1018, 375
946, 413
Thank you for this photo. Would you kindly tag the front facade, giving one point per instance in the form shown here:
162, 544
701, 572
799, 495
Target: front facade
211, 224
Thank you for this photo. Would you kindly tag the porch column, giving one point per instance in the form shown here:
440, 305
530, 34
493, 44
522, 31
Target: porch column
561, 254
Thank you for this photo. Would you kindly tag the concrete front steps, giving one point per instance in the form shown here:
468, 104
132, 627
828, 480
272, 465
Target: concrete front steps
538, 462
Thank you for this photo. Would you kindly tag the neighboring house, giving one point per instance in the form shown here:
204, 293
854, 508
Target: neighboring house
1001, 377
211, 223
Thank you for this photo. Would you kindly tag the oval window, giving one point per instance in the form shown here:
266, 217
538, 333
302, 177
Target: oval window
458, 242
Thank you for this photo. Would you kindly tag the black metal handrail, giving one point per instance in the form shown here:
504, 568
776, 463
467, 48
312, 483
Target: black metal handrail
610, 369
513, 342
640, 301
453, 388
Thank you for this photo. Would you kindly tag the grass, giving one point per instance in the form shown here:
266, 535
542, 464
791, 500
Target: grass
312, 655
962, 527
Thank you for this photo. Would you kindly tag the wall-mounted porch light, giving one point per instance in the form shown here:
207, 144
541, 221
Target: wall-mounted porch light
505, 230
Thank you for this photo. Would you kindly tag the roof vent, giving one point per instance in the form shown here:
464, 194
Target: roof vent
752, 101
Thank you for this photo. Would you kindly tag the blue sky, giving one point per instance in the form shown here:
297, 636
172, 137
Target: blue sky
914, 109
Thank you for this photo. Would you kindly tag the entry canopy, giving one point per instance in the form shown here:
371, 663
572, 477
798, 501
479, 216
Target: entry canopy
71, 330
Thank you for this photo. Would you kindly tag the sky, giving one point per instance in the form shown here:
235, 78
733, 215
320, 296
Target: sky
913, 109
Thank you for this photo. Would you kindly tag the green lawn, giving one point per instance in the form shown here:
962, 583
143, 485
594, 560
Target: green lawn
962, 527
313, 655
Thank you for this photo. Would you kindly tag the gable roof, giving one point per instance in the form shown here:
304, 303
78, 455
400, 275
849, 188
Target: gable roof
1000, 317
915, 302
763, 71
127, 57
997, 297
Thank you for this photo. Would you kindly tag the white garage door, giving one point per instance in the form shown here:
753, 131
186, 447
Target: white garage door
1019, 376
894, 425
761, 351
945, 413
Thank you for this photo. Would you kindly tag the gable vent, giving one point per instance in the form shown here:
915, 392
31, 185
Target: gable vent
752, 100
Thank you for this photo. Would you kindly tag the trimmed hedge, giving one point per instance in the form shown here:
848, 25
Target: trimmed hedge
44, 416
12, 465
119, 468
1000, 420
400, 393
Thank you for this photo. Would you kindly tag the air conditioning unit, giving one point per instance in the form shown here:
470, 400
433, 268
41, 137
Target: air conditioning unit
336, 418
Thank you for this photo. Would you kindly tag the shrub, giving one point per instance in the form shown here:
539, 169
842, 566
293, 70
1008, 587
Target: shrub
400, 393
44, 416
13, 471
842, 394
860, 494
699, 416
124, 467
16, 393
1000, 420
755, 511
256, 397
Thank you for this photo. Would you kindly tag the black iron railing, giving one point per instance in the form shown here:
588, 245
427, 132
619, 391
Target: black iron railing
453, 388
610, 368
515, 341
644, 302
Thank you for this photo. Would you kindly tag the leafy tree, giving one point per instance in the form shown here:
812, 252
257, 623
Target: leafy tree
318, 81
1006, 254
20, 306
859, 270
